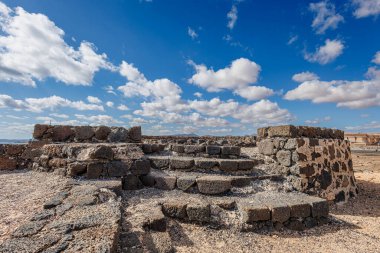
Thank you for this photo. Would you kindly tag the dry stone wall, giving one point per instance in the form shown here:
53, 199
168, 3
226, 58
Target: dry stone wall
241, 141
317, 161
18, 156
87, 134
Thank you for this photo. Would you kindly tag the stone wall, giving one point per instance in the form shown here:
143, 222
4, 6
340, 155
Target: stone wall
241, 141
317, 161
18, 156
87, 134
92, 160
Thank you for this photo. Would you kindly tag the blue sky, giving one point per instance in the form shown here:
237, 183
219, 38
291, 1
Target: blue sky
208, 67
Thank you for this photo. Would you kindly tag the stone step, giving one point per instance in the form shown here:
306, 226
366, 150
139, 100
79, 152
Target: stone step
192, 182
295, 211
203, 164
212, 151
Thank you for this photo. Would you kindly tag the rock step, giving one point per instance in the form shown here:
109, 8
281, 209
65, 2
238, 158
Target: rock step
203, 164
274, 209
191, 182
214, 151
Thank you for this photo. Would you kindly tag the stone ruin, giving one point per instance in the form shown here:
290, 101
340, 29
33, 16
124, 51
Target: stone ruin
131, 186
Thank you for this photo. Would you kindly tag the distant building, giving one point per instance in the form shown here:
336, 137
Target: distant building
362, 138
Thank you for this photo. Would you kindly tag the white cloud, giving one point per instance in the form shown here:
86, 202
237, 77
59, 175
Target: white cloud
317, 121
214, 107
376, 59
325, 16
232, 17
326, 53
236, 77
57, 115
41, 104
94, 100
366, 8
373, 125
292, 39
32, 48
109, 89
351, 94
198, 94
123, 108
98, 119
109, 104
305, 76
16, 117
191, 32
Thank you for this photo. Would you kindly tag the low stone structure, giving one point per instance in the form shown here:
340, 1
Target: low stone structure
319, 159
87, 134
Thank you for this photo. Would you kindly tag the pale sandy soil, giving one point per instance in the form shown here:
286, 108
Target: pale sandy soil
354, 226
22, 194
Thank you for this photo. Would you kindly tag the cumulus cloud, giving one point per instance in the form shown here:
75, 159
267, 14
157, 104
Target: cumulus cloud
351, 94
47, 54
326, 53
376, 59
59, 115
214, 107
236, 77
191, 32
101, 119
40, 104
373, 125
232, 17
305, 76
317, 121
123, 108
109, 89
325, 16
94, 100
109, 104
198, 94
366, 8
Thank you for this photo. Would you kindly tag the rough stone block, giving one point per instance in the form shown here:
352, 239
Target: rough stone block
240, 181
159, 162
141, 167
131, 182
198, 212
102, 132
181, 163
299, 209
57, 163
148, 180
280, 212
83, 132
319, 207
193, 149
230, 150
155, 219
178, 148
246, 164
101, 152
213, 184
206, 164
147, 148
284, 157
228, 165
165, 182
76, 169
186, 182
282, 131
7, 163
39, 131
14, 149
254, 211
175, 209
291, 144
62, 133
134, 134
266, 147
213, 150
117, 168
118, 134
95, 170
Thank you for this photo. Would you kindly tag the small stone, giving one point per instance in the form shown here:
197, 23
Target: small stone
76, 168
83, 133
254, 211
141, 167
29, 228
101, 152
228, 165
206, 164
134, 134
94, 170
175, 209
159, 162
181, 163
56, 200
101, 132
266, 147
284, 157
198, 212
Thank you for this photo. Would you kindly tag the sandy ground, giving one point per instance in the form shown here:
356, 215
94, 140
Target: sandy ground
354, 226
22, 194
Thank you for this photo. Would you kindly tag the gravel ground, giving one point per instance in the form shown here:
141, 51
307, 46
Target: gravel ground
21, 195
